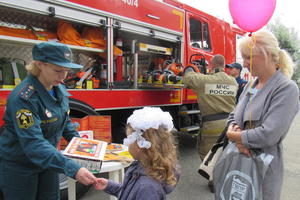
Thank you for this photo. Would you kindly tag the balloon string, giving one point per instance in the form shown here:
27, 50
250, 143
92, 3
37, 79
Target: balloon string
251, 46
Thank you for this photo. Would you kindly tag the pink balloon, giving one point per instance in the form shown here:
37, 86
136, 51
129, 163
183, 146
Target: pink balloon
251, 15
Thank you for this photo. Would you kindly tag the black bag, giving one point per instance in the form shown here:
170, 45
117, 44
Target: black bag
209, 162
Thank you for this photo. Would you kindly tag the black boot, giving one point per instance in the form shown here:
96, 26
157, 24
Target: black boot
211, 186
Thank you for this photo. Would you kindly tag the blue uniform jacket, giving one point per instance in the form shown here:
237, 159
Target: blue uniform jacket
242, 84
34, 124
138, 186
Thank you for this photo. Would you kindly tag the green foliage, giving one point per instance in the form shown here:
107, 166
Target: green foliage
289, 40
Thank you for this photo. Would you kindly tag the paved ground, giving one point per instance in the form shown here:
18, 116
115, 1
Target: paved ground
193, 187
291, 184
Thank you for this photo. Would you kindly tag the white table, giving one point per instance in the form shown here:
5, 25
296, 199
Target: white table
115, 172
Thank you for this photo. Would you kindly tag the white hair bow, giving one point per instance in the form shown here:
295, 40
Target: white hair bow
143, 119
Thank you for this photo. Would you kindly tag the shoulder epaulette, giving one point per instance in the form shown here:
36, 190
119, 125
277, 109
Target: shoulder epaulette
26, 92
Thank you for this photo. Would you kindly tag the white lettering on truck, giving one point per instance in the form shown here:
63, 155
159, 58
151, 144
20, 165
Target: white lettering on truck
131, 2
220, 89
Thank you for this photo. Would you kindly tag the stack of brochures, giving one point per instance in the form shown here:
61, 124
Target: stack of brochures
88, 153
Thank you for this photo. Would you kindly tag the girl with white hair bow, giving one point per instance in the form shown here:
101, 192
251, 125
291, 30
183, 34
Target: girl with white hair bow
151, 143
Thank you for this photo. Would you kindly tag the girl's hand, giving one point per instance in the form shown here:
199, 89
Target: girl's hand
101, 184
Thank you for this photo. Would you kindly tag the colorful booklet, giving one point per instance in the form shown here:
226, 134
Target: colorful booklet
122, 157
115, 147
86, 149
117, 152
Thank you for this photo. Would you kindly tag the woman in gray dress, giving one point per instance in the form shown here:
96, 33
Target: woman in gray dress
266, 107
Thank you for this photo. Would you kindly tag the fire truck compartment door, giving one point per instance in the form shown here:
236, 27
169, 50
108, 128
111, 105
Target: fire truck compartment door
133, 28
150, 12
58, 11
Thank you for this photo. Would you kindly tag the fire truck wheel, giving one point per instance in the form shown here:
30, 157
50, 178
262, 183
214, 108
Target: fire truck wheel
80, 109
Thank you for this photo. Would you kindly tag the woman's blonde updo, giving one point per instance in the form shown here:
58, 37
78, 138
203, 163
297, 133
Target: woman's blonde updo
33, 68
267, 41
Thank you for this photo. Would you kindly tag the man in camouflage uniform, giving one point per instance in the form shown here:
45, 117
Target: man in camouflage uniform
216, 99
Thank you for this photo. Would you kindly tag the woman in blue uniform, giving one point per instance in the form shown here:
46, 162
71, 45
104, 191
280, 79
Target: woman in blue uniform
36, 117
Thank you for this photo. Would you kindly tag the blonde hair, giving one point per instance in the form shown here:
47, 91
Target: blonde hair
267, 41
218, 61
160, 159
32, 68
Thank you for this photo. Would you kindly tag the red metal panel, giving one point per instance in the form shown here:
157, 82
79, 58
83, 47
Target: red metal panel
126, 98
2, 109
167, 16
189, 96
230, 43
113, 99
3, 99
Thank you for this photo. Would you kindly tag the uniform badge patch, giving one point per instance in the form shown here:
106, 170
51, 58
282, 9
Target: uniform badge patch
24, 118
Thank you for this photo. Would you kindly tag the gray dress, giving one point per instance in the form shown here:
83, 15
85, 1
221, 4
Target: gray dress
271, 111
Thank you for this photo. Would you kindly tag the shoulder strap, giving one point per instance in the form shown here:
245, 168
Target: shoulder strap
26, 92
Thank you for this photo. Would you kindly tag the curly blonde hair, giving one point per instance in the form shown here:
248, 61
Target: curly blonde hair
160, 159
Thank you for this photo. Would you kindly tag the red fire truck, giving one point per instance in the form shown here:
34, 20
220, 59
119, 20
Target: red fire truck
133, 53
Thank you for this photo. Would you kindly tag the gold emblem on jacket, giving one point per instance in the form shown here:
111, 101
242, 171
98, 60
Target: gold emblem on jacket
24, 118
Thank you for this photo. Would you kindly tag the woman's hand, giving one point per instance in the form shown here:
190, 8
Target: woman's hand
242, 149
234, 133
85, 177
101, 184
234, 127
